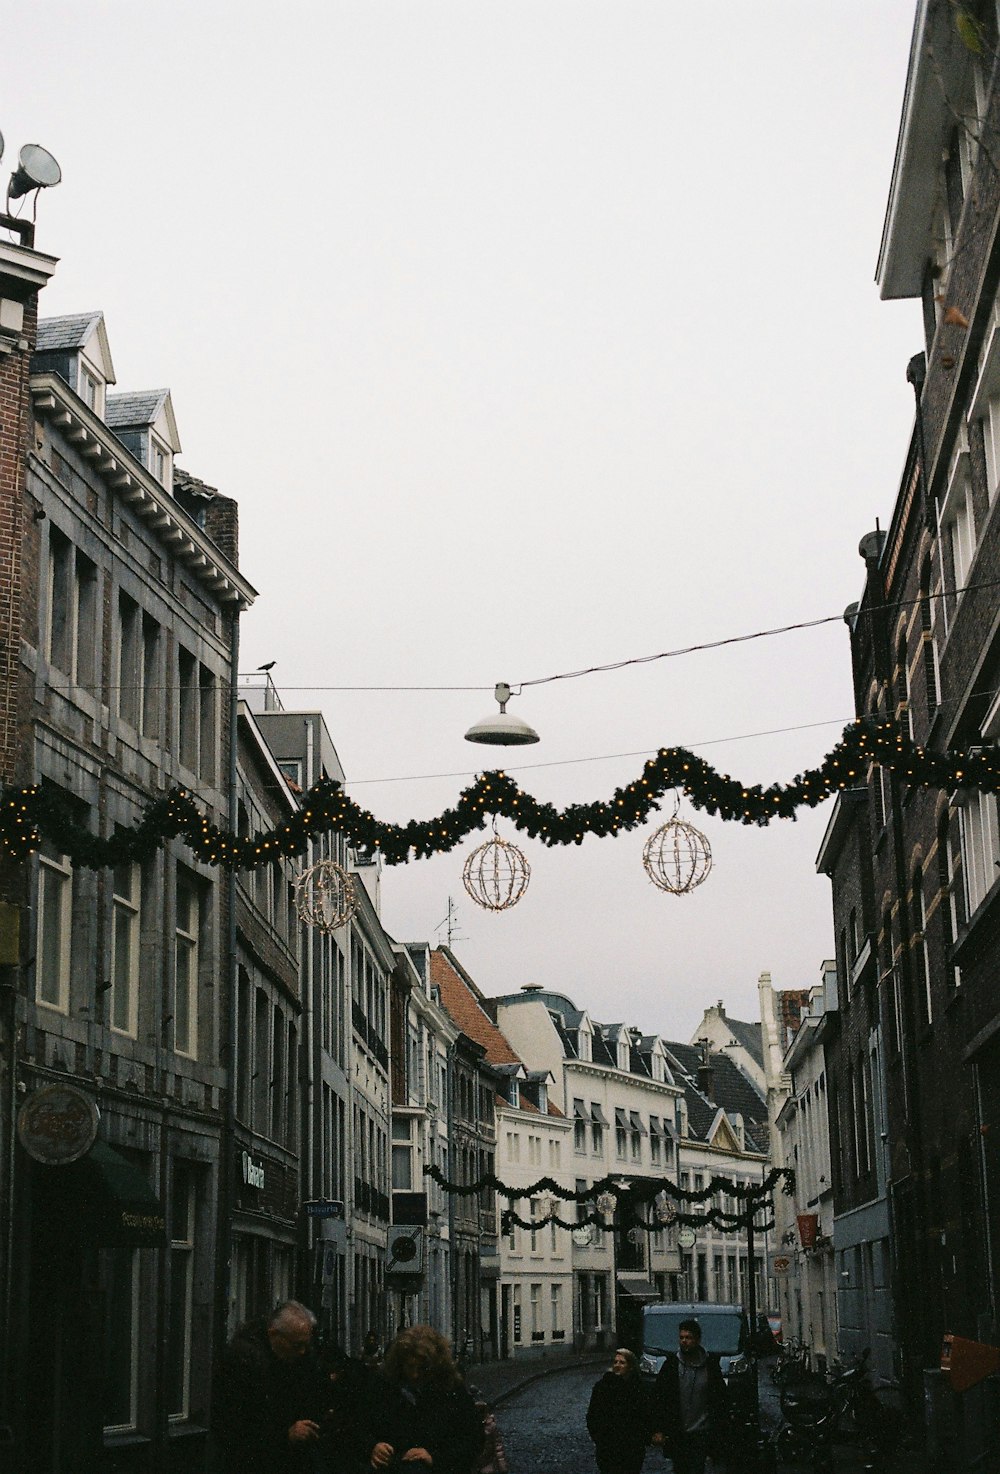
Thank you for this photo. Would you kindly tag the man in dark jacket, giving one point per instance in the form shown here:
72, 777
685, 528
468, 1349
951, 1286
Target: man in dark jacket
267, 1403
690, 1402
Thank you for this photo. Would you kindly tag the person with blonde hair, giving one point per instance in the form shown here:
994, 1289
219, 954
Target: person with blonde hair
424, 1416
618, 1418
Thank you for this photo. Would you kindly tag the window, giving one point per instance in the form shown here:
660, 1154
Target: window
537, 1334
597, 1128
186, 936
513, 1147
72, 598
957, 520
126, 883
179, 1321
55, 901
60, 632
402, 1154
536, 1211
654, 1140
949, 886
120, 1363
558, 1329
186, 709
129, 645
159, 460
980, 846
928, 645
903, 711
207, 723
151, 678
279, 1043
922, 965
555, 1154
91, 390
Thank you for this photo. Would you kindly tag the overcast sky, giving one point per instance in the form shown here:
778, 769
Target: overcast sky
530, 337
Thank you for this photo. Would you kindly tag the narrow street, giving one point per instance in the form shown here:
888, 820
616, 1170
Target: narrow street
543, 1425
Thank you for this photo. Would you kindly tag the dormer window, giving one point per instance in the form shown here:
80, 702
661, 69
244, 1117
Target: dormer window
514, 1092
623, 1054
158, 460
91, 389
543, 1097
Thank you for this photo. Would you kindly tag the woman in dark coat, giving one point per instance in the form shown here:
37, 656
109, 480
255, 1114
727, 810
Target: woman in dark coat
618, 1418
424, 1418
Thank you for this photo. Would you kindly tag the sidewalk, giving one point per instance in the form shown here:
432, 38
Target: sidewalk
498, 1380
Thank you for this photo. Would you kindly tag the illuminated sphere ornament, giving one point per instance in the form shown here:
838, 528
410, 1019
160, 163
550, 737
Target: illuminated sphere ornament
496, 875
665, 1210
606, 1203
677, 857
325, 896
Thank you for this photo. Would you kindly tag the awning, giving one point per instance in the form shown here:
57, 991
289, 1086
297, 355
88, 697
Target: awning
637, 1125
621, 1120
579, 1111
103, 1197
637, 1287
596, 1114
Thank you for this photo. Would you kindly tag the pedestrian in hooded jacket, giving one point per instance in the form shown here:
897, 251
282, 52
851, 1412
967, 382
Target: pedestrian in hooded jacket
690, 1402
618, 1418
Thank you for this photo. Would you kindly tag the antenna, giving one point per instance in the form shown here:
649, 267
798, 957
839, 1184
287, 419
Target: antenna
450, 923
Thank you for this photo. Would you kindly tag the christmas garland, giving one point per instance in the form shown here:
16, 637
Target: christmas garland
724, 1222
28, 815
636, 1191
640, 1189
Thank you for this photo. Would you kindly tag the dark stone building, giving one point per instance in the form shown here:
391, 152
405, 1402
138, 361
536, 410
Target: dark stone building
919, 963
119, 622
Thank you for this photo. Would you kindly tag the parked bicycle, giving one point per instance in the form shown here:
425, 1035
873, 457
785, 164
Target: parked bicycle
792, 1363
862, 1416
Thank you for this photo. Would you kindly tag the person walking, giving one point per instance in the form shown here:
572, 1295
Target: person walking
618, 1417
424, 1418
690, 1403
267, 1404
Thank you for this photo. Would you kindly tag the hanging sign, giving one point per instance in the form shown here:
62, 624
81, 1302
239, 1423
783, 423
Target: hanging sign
781, 1263
808, 1227
57, 1124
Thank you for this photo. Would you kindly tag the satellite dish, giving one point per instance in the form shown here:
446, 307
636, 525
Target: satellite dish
36, 169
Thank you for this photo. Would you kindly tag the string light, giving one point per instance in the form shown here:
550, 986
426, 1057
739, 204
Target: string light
45, 811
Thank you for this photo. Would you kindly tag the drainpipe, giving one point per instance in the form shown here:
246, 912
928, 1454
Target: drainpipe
452, 1246
227, 1195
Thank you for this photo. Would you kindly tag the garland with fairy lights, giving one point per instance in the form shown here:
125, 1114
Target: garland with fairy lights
631, 1194
28, 815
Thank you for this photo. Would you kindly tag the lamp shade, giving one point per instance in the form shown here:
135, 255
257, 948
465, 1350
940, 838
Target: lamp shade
499, 728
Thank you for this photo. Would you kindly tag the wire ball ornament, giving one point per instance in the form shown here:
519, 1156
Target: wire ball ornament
326, 896
677, 857
496, 874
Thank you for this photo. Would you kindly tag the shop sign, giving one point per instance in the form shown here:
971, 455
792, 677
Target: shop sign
781, 1263
808, 1227
57, 1125
253, 1172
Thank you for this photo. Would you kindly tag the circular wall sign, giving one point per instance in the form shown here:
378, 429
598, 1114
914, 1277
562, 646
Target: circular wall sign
686, 1238
582, 1235
57, 1124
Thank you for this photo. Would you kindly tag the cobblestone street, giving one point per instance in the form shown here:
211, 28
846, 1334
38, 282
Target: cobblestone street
543, 1425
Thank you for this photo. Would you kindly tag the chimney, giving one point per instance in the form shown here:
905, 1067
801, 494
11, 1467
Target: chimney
706, 1073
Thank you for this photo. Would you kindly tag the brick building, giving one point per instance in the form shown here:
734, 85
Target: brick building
919, 952
119, 644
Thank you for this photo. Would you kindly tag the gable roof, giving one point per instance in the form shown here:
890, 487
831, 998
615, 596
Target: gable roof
731, 1091
463, 1001
749, 1035
71, 331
